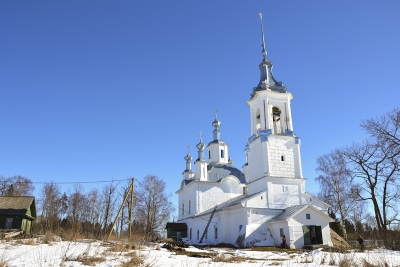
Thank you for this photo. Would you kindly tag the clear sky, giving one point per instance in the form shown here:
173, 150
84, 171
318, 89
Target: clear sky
101, 90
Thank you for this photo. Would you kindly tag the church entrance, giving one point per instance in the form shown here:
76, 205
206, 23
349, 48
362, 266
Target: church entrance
312, 235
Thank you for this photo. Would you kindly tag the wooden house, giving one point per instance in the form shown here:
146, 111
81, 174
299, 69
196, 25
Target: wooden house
17, 212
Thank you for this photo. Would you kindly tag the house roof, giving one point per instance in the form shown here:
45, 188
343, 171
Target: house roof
16, 205
289, 212
230, 202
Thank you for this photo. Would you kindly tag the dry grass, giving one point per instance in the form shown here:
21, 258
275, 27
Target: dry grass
347, 261
91, 261
119, 247
69, 234
228, 258
275, 249
332, 259
3, 263
135, 260
30, 242
380, 262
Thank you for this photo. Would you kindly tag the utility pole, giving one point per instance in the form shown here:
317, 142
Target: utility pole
120, 209
131, 208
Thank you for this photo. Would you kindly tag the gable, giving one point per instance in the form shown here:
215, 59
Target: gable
18, 205
299, 212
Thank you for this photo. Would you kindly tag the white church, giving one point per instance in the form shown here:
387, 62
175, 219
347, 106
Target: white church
219, 203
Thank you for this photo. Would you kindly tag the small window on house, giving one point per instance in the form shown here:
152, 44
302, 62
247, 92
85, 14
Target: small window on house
209, 154
183, 209
281, 231
216, 233
308, 216
198, 233
310, 199
282, 158
222, 154
189, 207
190, 233
261, 197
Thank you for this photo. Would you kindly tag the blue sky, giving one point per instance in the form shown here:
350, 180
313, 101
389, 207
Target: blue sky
101, 90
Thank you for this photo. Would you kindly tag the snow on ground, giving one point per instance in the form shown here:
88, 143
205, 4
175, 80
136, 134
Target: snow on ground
30, 253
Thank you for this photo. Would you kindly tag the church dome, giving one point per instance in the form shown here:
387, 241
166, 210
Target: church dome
217, 172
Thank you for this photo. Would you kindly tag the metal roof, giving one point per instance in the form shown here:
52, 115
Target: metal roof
288, 213
230, 202
216, 172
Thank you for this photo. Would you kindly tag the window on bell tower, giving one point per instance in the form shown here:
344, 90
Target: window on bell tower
258, 123
222, 154
276, 119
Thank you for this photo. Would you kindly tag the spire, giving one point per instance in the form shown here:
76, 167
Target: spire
188, 160
216, 123
267, 80
264, 52
200, 146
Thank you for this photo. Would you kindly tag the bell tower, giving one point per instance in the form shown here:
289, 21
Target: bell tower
273, 150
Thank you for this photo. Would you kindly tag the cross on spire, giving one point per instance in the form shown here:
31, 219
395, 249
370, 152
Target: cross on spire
264, 52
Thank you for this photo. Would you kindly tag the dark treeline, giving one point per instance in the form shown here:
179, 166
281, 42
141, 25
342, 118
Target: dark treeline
361, 182
91, 213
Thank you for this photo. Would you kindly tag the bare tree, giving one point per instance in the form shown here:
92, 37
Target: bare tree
375, 165
335, 181
77, 202
93, 215
109, 200
50, 206
386, 127
16, 186
153, 206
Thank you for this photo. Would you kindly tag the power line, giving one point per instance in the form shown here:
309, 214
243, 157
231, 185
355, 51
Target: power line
84, 182
190, 213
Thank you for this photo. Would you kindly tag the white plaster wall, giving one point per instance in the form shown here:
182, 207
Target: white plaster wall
201, 170
258, 235
211, 194
282, 199
313, 201
215, 153
256, 160
316, 219
258, 186
259, 201
187, 194
275, 229
227, 222
284, 146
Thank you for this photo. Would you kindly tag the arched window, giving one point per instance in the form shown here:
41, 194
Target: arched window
258, 123
276, 119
